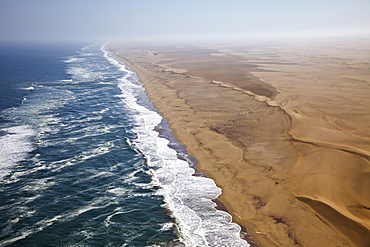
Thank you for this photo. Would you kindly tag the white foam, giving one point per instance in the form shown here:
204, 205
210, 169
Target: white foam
74, 60
187, 196
67, 80
30, 88
167, 226
22, 235
82, 74
38, 185
119, 191
44, 223
14, 146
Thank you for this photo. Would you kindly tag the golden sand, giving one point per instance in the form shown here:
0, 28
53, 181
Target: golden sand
283, 129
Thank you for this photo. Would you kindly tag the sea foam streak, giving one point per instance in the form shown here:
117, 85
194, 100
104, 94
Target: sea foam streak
14, 146
187, 196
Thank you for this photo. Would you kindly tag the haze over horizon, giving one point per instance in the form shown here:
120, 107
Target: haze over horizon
83, 20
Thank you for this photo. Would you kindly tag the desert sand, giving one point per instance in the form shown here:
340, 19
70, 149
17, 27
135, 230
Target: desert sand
282, 128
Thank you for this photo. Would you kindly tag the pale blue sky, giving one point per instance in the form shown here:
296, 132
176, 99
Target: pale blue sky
126, 19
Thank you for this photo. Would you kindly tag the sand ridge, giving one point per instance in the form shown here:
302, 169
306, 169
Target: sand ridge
282, 130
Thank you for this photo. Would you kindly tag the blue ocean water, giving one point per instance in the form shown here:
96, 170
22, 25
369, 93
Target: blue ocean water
82, 162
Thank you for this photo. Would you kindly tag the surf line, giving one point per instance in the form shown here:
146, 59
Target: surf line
188, 194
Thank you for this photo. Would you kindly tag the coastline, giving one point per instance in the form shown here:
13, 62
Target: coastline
165, 132
256, 144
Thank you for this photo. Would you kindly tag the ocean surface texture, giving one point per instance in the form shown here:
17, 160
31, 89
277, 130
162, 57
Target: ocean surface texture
85, 160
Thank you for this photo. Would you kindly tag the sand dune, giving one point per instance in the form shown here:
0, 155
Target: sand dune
283, 129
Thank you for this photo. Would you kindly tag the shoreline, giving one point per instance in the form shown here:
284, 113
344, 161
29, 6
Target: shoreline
165, 131
263, 165
244, 225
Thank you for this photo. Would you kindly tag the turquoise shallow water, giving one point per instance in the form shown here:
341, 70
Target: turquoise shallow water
82, 165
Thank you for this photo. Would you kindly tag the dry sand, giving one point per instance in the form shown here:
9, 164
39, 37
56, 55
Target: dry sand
283, 129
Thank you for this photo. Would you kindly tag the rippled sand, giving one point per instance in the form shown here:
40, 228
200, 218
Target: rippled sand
283, 129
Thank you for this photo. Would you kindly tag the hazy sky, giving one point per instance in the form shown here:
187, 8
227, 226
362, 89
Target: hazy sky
126, 19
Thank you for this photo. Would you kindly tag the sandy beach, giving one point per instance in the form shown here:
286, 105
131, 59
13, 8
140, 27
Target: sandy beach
282, 128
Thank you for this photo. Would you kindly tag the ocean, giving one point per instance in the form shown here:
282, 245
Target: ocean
86, 160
